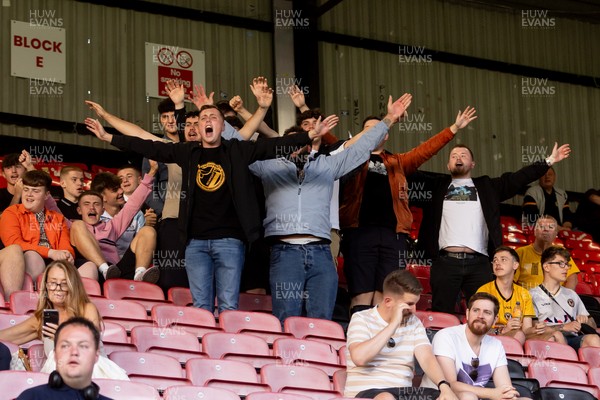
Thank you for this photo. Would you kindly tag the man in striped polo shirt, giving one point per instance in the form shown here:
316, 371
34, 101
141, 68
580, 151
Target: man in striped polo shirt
383, 343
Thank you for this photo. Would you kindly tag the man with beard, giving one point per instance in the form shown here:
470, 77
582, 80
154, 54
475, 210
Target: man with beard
461, 223
470, 358
530, 273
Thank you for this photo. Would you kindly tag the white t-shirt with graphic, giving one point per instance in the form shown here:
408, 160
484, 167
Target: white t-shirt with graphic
551, 313
452, 343
463, 223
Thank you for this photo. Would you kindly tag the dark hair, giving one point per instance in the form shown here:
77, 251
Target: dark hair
166, 105
37, 178
554, 251
235, 122
191, 114
512, 252
370, 117
209, 106
401, 281
224, 107
10, 160
484, 296
463, 146
105, 180
312, 113
89, 193
80, 321
293, 129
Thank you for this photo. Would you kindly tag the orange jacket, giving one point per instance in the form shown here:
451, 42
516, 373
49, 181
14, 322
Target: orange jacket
398, 166
19, 226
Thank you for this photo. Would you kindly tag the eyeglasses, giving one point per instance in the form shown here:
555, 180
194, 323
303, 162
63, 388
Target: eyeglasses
55, 285
561, 264
391, 343
474, 373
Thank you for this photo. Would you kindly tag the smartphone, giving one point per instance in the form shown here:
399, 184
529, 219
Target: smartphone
50, 316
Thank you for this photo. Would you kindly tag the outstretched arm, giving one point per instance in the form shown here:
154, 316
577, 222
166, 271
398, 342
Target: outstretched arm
125, 127
237, 104
297, 97
264, 96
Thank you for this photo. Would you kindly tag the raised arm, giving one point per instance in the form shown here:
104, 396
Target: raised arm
298, 98
237, 104
125, 127
264, 96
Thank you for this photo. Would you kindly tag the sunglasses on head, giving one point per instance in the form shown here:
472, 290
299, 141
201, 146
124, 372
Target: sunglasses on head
391, 343
474, 373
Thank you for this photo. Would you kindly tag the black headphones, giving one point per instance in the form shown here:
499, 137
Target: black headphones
91, 392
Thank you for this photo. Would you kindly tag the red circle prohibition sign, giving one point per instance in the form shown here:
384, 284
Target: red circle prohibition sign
165, 56
184, 59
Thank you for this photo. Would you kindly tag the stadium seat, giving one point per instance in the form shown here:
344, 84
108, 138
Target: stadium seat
298, 379
321, 330
239, 377
113, 332
584, 288
125, 312
146, 337
552, 393
511, 345
308, 352
594, 375
437, 320
92, 287
592, 389
514, 238
109, 347
590, 355
198, 392
551, 370
13, 383
190, 319
156, 370
121, 390
542, 349
342, 355
263, 325
180, 296
339, 380
23, 301
424, 303
239, 347
37, 356
147, 294
8, 320
255, 302
276, 396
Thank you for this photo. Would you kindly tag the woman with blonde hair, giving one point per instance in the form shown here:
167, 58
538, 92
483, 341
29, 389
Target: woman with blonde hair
62, 290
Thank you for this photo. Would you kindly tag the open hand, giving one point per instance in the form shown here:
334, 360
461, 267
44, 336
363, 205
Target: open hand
200, 98
176, 91
94, 126
97, 108
463, 118
261, 90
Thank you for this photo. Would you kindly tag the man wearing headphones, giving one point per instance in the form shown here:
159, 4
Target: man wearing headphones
76, 351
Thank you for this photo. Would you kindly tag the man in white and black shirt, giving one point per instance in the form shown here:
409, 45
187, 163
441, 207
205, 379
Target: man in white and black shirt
558, 307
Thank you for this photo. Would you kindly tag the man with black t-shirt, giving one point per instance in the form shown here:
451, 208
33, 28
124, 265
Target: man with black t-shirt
71, 181
220, 211
12, 171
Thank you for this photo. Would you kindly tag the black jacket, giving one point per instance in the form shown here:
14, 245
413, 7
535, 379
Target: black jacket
491, 192
237, 155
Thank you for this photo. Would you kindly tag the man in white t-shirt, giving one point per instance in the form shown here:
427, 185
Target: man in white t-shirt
470, 358
383, 343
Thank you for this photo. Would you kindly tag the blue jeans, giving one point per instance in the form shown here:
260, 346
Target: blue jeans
215, 263
303, 276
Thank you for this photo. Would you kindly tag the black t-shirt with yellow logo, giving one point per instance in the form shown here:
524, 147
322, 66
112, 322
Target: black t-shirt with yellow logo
214, 215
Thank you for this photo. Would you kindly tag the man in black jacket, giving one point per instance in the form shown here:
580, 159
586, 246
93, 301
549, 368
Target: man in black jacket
219, 212
461, 224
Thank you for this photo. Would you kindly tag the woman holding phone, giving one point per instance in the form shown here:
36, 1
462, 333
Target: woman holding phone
61, 292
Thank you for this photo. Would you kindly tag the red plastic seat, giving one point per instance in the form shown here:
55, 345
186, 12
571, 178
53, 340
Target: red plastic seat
276, 396
239, 347
342, 355
13, 383
198, 392
552, 370
157, 370
322, 330
295, 379
125, 312
146, 337
514, 237
584, 288
117, 389
239, 377
420, 271
196, 321
307, 352
113, 332
8, 320
590, 355
255, 302
110, 347
511, 345
594, 375
339, 380
424, 303
22, 301
437, 320
92, 287
263, 325
542, 349
180, 296
147, 294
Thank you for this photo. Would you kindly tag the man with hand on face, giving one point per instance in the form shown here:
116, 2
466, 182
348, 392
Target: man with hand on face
461, 223
76, 350
383, 343
470, 358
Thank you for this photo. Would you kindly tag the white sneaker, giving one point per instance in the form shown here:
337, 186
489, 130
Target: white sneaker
112, 272
149, 275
